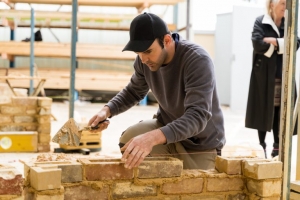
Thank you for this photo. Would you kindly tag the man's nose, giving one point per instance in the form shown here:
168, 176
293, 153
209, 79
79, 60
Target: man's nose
143, 58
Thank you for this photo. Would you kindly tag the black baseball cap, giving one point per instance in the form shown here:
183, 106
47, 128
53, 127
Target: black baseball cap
144, 29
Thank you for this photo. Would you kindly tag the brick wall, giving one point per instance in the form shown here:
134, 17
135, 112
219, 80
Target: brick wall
28, 114
155, 179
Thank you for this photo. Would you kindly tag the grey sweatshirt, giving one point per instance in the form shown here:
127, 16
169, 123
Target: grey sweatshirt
185, 90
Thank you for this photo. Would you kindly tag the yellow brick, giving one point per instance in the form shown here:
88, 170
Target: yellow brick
263, 169
44, 101
45, 178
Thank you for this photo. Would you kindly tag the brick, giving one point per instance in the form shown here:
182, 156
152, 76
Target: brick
44, 111
262, 169
156, 198
11, 197
255, 197
32, 194
24, 101
31, 111
239, 196
11, 182
42, 178
203, 197
294, 196
230, 166
105, 169
157, 167
44, 138
5, 93
31, 127
6, 128
71, 173
44, 128
224, 184
12, 110
5, 119
43, 147
86, 192
44, 119
295, 185
266, 188
129, 190
186, 186
24, 119
44, 101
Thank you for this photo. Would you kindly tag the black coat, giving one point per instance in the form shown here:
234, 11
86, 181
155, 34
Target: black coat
260, 105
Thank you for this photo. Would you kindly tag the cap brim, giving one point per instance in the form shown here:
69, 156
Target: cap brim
138, 46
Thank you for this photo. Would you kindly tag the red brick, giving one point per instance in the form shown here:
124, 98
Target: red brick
105, 169
160, 167
186, 186
129, 190
224, 184
11, 182
83, 192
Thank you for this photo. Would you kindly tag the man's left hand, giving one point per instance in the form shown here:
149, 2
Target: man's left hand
136, 149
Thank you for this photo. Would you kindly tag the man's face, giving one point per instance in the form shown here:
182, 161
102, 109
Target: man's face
154, 56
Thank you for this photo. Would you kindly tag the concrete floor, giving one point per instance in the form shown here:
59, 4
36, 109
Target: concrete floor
241, 141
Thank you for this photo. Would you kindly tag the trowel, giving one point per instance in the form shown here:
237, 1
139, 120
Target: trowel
70, 133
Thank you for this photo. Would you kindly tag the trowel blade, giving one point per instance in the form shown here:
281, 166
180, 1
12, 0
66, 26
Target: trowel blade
68, 134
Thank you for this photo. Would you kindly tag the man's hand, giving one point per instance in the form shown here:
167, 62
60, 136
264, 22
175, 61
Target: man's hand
102, 126
136, 149
102, 115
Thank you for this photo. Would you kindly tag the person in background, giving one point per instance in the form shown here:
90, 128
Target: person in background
189, 122
263, 107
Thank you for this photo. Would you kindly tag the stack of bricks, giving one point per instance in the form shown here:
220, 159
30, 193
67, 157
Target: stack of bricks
11, 183
155, 179
28, 114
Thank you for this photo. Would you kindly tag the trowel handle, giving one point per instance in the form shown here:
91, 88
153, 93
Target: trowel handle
97, 126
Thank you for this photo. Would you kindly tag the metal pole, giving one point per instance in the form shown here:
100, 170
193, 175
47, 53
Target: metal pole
31, 50
12, 37
288, 94
188, 19
175, 16
73, 59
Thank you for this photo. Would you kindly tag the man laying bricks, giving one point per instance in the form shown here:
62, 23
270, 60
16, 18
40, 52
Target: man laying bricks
189, 122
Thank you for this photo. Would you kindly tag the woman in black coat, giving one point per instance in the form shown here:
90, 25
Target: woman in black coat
263, 105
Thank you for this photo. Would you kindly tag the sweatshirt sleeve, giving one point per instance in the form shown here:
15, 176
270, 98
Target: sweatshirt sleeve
199, 85
132, 94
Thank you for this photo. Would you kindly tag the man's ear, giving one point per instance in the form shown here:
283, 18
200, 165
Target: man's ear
167, 39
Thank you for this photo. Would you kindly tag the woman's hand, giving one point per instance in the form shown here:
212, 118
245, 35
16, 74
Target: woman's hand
271, 40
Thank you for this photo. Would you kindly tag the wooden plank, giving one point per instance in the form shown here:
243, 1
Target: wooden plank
98, 21
62, 50
86, 79
115, 3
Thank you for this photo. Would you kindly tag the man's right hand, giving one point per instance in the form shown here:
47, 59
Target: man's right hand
103, 114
